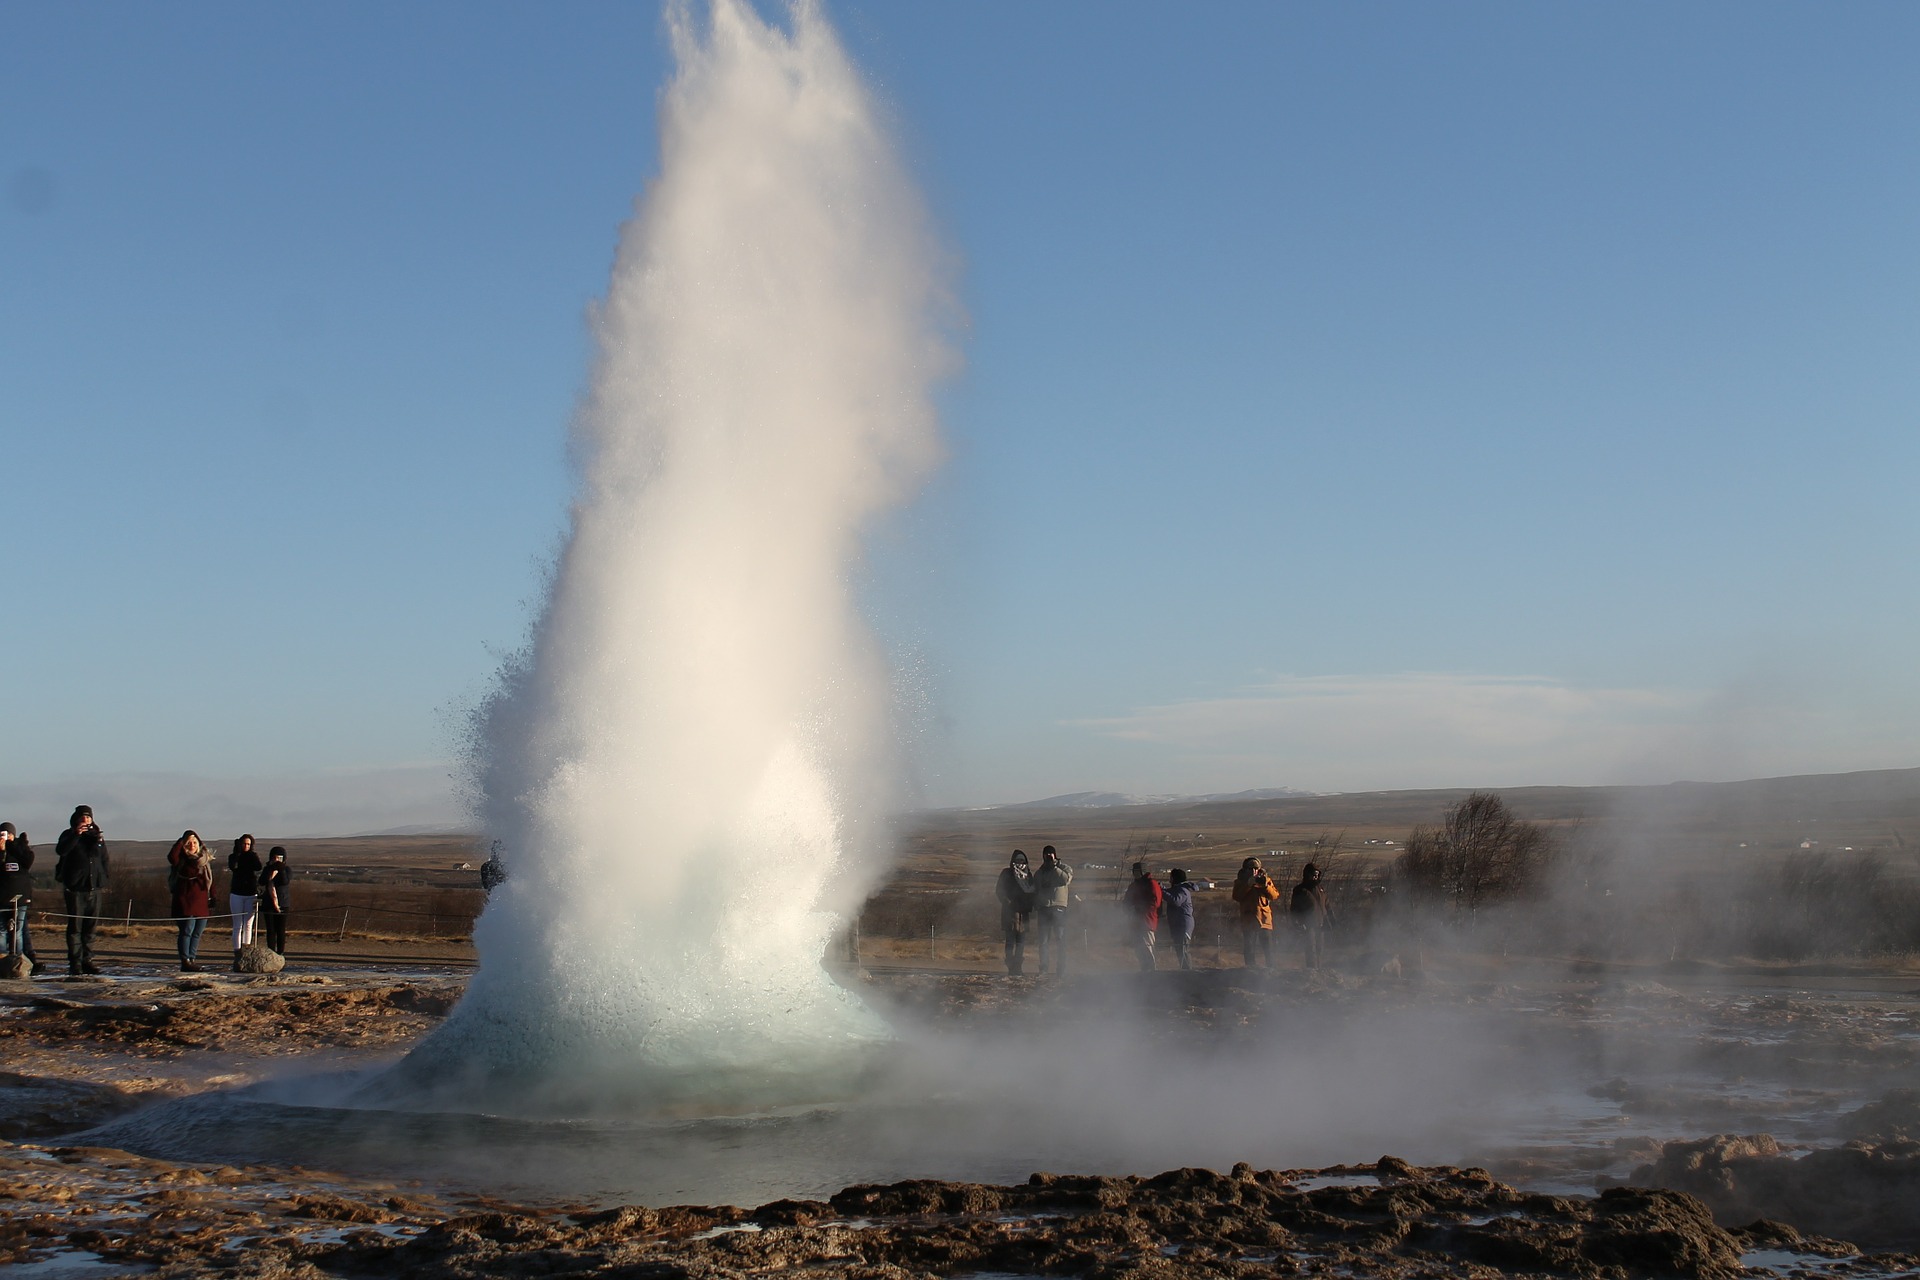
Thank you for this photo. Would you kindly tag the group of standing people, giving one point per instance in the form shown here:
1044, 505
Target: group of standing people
1028, 896
82, 864
257, 892
1309, 911
1156, 911
256, 895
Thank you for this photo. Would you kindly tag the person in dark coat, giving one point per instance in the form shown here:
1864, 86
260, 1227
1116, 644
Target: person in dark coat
16, 887
493, 872
273, 898
1176, 915
1014, 889
82, 866
1311, 913
1143, 914
19, 852
243, 891
190, 879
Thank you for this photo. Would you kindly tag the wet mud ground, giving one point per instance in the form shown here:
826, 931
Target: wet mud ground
1679, 1123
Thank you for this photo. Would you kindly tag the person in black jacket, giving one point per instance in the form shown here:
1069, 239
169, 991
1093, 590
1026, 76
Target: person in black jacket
18, 851
273, 898
82, 866
16, 887
1014, 888
243, 893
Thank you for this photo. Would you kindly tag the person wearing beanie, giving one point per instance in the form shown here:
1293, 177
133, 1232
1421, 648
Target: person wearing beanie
273, 898
1014, 889
1051, 897
1311, 912
1177, 913
82, 866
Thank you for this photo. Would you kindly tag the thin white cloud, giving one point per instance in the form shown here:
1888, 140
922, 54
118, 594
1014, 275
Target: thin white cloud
1410, 730
152, 806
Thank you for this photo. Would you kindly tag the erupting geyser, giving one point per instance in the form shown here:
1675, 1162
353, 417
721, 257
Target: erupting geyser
685, 763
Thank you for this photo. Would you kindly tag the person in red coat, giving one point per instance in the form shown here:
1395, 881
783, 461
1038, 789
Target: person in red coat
190, 877
1143, 914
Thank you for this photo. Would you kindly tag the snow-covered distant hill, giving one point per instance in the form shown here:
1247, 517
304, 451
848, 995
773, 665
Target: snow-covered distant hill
1115, 799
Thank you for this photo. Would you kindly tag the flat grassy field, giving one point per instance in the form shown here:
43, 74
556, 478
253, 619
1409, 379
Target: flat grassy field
935, 908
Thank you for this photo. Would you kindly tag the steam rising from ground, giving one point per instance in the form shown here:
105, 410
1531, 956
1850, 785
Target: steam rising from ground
682, 763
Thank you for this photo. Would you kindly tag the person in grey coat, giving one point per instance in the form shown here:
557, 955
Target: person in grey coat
1050, 898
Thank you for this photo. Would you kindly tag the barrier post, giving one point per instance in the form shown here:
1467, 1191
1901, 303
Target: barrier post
343, 923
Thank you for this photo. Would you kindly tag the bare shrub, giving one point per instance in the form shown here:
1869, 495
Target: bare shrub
1480, 853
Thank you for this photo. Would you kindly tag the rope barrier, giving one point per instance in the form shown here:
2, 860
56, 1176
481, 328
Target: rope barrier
229, 915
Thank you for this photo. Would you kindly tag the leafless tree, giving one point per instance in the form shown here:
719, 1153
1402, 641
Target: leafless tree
1478, 853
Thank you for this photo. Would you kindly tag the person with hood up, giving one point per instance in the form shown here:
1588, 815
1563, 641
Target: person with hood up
82, 865
1014, 888
1176, 914
1143, 899
273, 898
493, 872
243, 893
1256, 894
18, 850
16, 890
1050, 897
1311, 912
190, 884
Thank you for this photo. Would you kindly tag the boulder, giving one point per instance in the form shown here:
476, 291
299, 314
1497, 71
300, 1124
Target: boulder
1865, 1192
257, 957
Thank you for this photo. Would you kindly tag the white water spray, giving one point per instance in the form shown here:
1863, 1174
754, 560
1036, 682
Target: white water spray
686, 763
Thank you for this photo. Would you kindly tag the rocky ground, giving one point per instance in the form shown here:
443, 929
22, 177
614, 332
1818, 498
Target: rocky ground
1390, 1220
75, 1054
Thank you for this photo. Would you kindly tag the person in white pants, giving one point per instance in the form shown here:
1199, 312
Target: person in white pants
243, 893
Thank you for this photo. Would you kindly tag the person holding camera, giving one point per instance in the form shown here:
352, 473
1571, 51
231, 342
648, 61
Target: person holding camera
1014, 888
1256, 894
1050, 900
273, 898
82, 865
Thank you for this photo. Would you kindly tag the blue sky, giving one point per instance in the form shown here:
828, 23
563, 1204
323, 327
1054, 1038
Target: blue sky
1355, 396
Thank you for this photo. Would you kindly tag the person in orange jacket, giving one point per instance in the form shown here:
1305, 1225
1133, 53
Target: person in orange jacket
1256, 895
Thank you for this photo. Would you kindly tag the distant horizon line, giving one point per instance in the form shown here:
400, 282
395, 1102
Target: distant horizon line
1094, 800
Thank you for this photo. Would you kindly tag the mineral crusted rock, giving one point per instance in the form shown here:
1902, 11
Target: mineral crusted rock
257, 957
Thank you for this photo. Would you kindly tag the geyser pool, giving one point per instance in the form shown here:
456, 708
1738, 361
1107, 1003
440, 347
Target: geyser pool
684, 762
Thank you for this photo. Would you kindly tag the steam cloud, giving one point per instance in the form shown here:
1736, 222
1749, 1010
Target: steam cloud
684, 763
